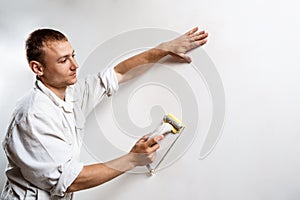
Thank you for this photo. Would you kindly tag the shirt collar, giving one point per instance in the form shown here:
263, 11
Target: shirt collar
67, 105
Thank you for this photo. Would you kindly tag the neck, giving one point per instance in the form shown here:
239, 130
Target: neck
61, 93
58, 91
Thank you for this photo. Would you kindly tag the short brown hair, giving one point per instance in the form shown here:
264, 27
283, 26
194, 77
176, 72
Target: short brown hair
36, 41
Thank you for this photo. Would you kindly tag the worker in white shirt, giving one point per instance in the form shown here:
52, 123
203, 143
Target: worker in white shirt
44, 136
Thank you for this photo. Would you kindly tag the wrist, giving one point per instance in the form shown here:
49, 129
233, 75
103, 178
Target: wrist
130, 160
163, 47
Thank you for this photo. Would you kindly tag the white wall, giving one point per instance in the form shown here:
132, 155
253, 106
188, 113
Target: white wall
254, 45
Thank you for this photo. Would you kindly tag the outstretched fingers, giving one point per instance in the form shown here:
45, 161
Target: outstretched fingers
200, 42
200, 35
192, 31
192, 39
198, 39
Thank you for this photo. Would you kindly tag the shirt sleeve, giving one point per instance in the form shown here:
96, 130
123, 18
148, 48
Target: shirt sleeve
91, 90
43, 154
108, 81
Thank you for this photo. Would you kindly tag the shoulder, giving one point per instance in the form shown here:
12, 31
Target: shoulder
34, 102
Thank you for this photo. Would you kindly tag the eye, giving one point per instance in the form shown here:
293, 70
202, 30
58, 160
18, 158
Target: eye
73, 55
63, 60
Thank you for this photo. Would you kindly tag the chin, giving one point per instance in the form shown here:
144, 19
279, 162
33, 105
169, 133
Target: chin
71, 83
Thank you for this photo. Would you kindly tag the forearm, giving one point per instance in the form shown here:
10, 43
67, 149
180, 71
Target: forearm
150, 56
138, 64
97, 174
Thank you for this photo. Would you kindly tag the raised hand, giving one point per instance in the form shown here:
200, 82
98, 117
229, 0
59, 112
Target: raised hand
180, 46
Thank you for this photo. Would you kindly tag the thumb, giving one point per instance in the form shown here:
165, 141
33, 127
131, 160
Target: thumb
185, 57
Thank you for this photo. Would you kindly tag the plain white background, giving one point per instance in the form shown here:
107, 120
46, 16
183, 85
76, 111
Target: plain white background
254, 45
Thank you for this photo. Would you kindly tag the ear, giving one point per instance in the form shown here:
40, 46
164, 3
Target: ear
37, 68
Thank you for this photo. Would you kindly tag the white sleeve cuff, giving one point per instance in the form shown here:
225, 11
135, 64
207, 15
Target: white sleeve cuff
69, 172
109, 81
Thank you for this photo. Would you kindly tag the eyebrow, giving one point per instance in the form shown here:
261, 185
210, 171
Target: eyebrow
66, 56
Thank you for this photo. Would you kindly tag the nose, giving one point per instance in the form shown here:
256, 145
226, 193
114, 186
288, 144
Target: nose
74, 64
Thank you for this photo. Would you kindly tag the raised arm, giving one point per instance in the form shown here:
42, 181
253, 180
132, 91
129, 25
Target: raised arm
177, 47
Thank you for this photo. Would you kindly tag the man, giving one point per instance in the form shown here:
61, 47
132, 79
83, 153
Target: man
43, 140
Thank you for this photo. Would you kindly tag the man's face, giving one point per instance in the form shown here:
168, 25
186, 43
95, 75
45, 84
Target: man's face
60, 66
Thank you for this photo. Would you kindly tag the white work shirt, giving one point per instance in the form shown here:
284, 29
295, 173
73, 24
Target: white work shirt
44, 138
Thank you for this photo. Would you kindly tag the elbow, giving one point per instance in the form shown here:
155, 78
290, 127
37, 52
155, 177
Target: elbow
72, 188
120, 77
